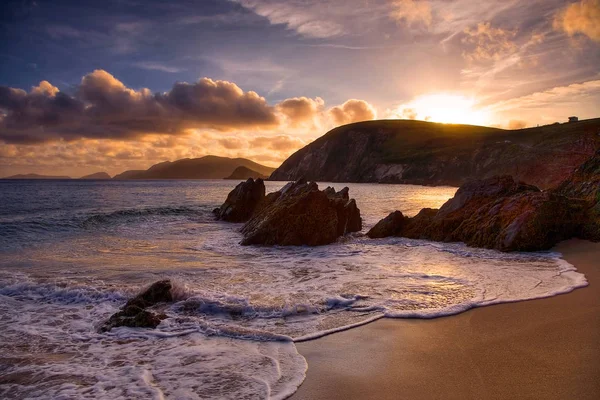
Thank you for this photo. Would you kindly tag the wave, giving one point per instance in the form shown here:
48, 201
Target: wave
133, 214
60, 293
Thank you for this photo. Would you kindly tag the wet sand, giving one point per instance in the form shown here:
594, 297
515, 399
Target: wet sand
538, 349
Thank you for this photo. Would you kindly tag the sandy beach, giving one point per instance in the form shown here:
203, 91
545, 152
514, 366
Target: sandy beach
539, 349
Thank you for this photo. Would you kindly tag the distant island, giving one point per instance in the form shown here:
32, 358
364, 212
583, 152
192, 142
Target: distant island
243, 173
97, 175
426, 153
208, 167
36, 176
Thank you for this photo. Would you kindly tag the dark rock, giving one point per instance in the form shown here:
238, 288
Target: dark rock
301, 214
467, 201
134, 313
242, 201
391, 225
585, 184
397, 224
496, 213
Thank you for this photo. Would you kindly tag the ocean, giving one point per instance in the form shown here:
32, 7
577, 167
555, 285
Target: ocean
72, 253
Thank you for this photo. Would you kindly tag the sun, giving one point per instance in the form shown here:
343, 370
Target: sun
445, 108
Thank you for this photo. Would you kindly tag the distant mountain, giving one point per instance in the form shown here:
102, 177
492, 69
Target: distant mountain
425, 153
36, 176
243, 173
97, 175
208, 167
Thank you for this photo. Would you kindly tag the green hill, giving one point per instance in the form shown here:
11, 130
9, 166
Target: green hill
418, 152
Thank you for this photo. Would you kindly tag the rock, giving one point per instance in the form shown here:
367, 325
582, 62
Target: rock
497, 213
585, 184
301, 214
134, 313
396, 224
391, 225
242, 201
469, 198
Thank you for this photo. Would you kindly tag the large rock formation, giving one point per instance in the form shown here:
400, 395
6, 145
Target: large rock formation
585, 184
242, 201
301, 214
134, 313
496, 213
417, 152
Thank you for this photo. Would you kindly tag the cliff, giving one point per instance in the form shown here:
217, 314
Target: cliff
208, 167
418, 152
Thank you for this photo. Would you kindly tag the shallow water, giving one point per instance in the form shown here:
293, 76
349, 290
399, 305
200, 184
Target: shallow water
71, 252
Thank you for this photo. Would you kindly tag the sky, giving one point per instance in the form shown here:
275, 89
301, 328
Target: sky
88, 86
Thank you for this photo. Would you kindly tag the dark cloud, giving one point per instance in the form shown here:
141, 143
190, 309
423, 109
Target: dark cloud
103, 107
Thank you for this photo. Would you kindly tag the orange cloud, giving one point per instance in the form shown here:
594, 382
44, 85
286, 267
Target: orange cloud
352, 111
580, 18
298, 110
488, 43
412, 11
516, 124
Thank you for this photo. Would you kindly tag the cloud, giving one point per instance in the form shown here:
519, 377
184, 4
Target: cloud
299, 16
412, 11
283, 143
555, 104
488, 43
298, 110
103, 107
582, 17
516, 124
352, 111
154, 66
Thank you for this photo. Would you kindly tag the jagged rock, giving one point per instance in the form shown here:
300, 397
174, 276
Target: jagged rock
134, 313
242, 201
467, 201
585, 184
498, 213
397, 224
391, 225
301, 214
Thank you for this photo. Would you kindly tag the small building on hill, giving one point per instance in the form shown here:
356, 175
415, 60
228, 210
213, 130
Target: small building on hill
573, 119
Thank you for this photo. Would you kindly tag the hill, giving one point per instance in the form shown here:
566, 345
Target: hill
97, 175
208, 167
243, 173
36, 176
426, 153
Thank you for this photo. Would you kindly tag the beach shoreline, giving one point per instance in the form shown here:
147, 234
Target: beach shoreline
545, 348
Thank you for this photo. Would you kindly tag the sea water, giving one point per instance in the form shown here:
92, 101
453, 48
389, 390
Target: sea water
72, 252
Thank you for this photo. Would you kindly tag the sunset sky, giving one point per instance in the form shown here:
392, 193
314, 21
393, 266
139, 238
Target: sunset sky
88, 86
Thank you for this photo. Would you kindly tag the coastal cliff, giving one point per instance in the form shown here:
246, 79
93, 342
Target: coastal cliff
418, 152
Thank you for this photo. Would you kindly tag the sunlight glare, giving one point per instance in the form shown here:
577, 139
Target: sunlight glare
445, 108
